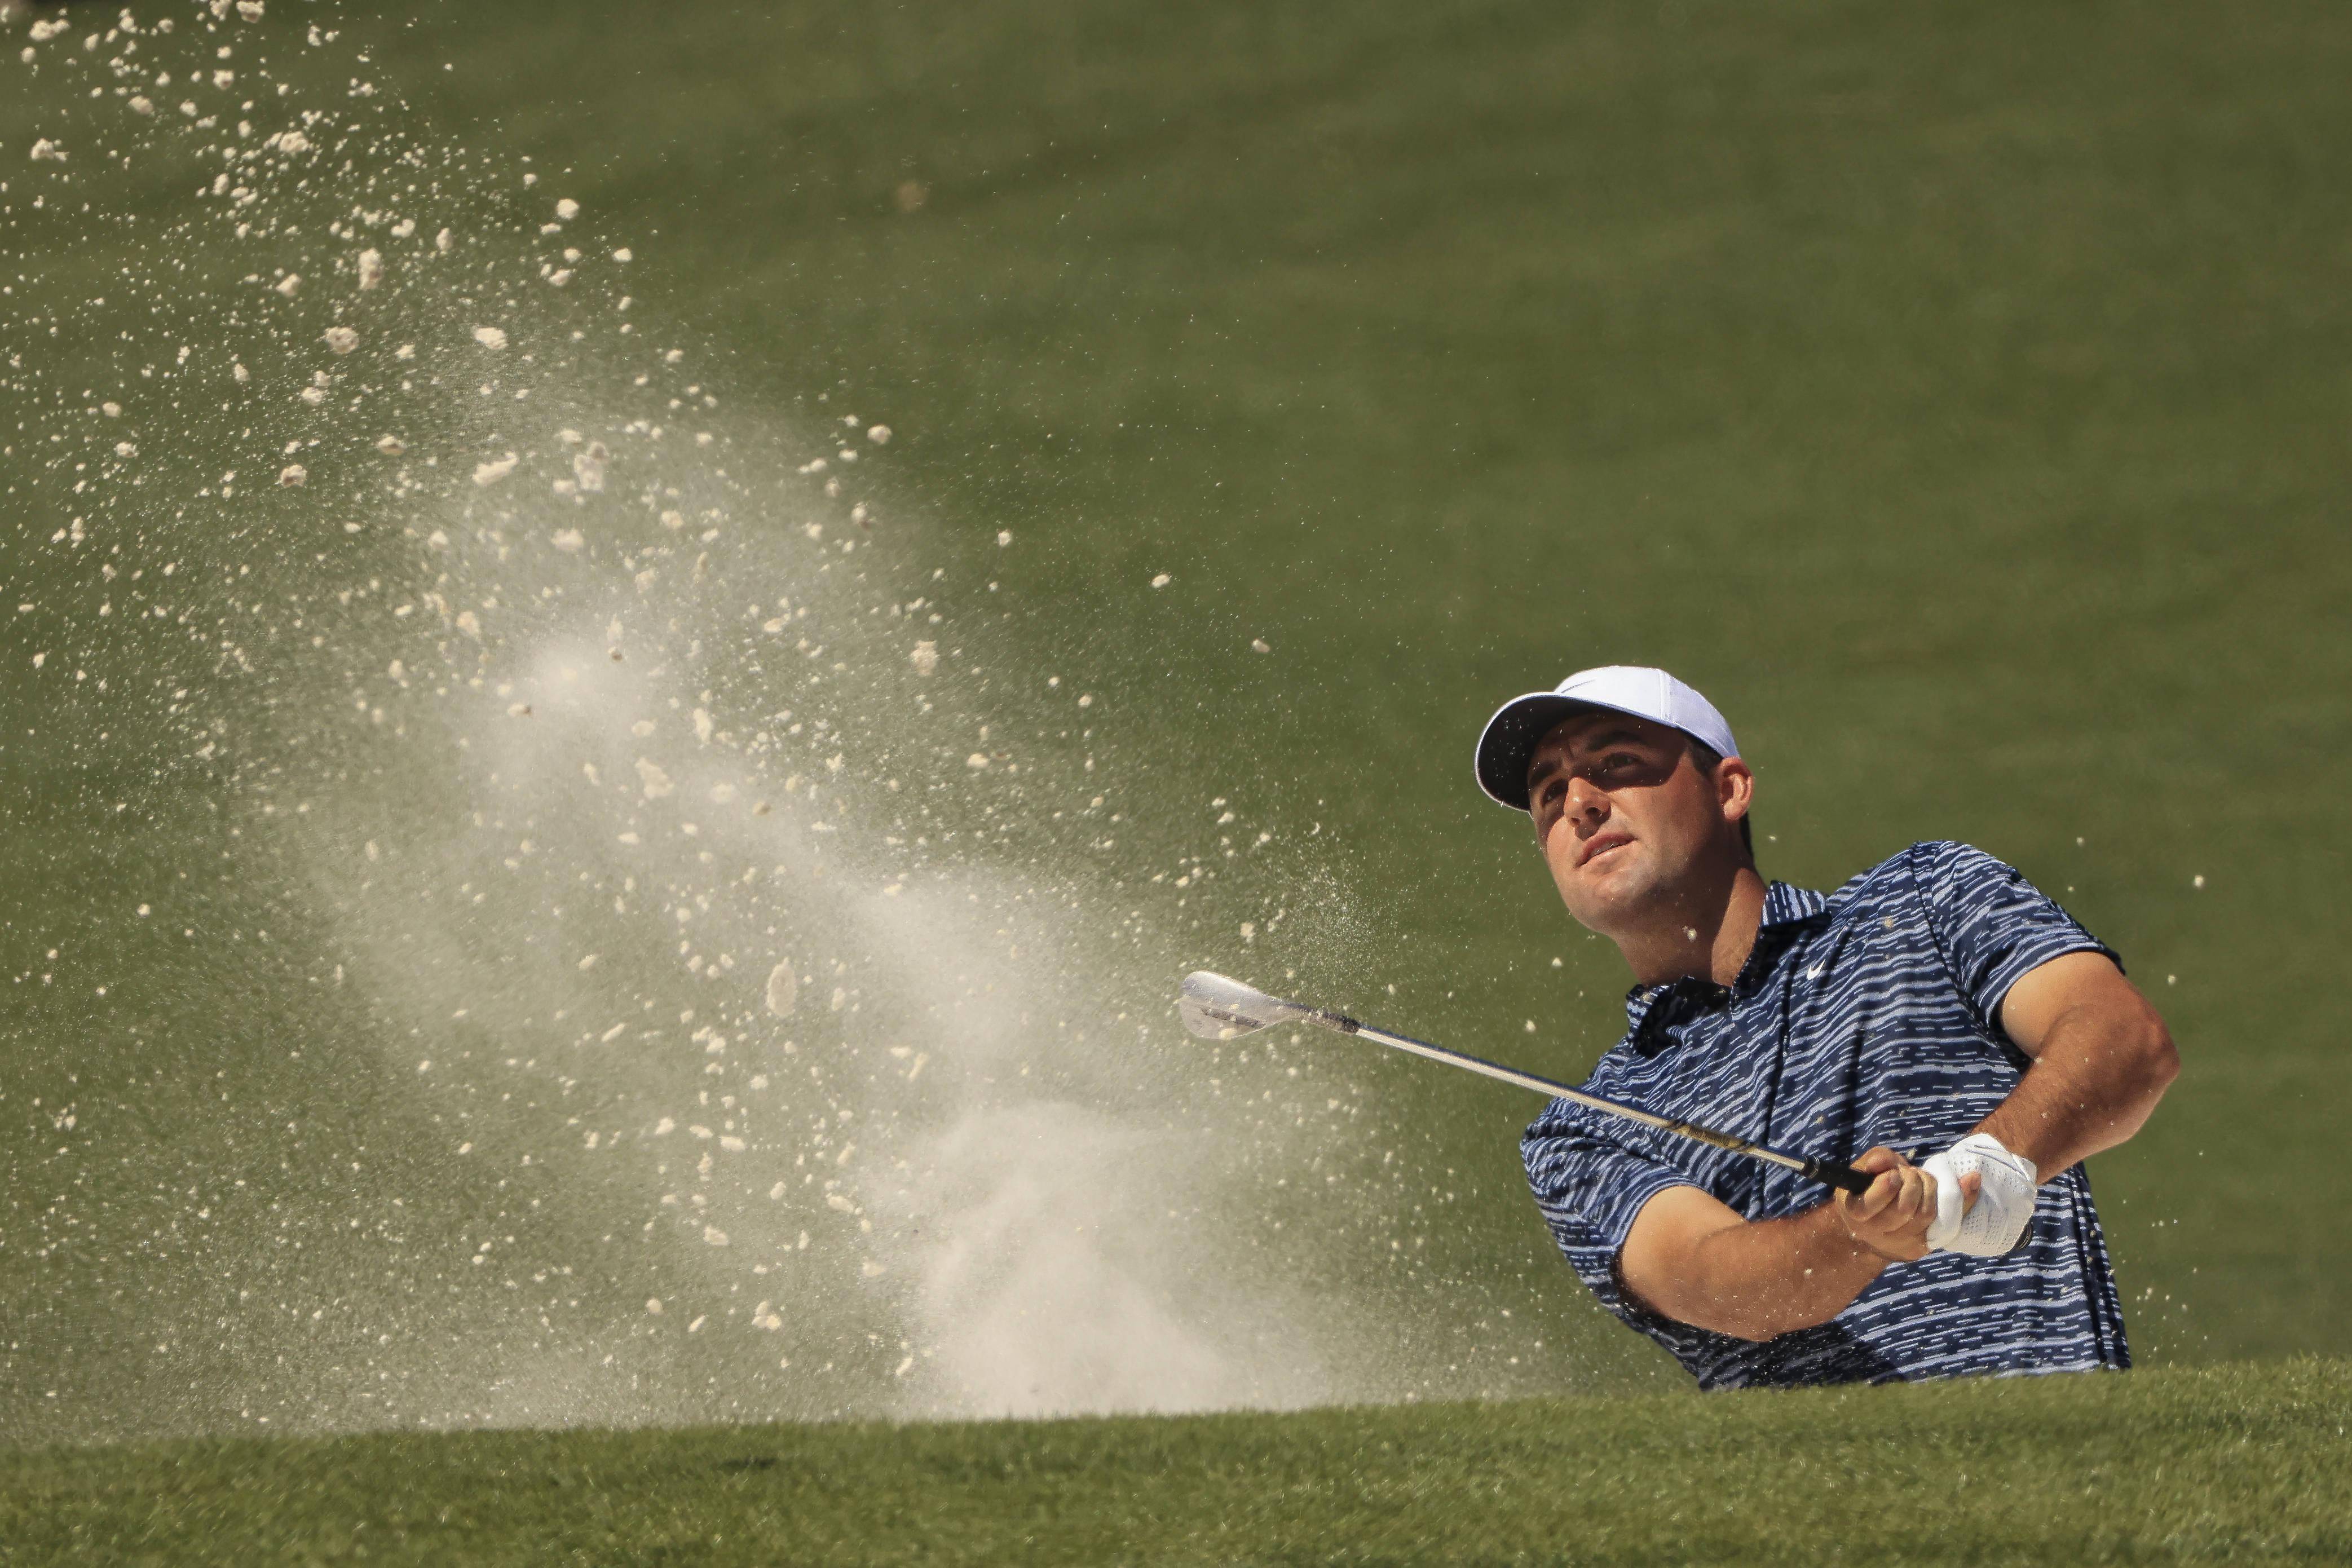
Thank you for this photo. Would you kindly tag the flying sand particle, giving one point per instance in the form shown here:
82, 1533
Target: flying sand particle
783, 991
371, 268
341, 340
488, 473
490, 337
925, 658
293, 474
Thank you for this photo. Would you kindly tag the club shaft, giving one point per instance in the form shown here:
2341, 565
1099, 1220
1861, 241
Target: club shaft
1831, 1173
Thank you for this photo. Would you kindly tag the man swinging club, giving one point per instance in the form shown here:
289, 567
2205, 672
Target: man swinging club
1936, 1012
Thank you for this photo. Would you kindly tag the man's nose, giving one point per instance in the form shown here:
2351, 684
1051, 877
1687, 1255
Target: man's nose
1586, 801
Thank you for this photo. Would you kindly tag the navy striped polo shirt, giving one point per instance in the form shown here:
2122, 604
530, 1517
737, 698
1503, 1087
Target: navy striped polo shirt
1868, 1016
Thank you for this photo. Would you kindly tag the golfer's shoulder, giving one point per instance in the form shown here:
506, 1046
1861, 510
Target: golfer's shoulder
1935, 870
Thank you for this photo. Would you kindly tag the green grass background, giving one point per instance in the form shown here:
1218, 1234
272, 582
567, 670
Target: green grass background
1956, 393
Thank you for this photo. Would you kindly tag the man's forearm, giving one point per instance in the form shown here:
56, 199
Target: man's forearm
2098, 1076
1691, 1256
1759, 1280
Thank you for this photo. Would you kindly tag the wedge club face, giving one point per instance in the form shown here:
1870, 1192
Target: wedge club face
1215, 1007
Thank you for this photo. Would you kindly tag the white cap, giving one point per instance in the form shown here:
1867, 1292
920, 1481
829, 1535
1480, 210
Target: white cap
1509, 741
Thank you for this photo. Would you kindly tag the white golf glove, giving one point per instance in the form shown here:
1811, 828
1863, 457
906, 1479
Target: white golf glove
2004, 1205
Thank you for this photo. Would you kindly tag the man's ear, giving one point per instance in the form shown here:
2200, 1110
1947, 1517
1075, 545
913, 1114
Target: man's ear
1735, 787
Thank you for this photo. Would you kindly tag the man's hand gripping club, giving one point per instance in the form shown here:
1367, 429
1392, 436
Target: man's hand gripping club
1893, 1218
1975, 1197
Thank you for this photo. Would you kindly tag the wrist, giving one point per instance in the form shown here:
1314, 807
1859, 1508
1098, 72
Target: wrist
2017, 1141
1878, 1256
1862, 1253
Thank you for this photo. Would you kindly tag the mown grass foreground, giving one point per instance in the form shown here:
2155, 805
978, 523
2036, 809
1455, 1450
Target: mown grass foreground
2230, 1463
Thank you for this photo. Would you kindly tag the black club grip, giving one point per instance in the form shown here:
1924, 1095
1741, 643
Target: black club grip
1839, 1174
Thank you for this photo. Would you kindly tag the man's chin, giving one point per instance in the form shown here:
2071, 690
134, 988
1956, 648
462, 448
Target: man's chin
1622, 889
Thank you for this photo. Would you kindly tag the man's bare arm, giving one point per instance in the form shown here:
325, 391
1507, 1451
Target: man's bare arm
2102, 1059
1692, 1257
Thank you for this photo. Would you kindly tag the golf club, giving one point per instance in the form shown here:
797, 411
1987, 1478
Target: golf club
1215, 1007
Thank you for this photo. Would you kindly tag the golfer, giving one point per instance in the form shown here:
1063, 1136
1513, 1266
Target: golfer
1936, 1022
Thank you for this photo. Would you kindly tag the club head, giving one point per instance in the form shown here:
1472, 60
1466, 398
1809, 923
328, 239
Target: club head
1215, 1007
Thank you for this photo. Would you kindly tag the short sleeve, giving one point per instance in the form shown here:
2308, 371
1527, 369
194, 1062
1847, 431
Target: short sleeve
1992, 926
1591, 1187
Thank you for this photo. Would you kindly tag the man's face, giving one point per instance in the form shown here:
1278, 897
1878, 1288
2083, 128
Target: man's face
1626, 819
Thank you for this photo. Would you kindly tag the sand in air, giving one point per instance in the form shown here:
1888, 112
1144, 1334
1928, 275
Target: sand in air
732, 981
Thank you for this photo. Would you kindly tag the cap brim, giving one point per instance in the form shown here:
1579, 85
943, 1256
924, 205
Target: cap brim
1508, 743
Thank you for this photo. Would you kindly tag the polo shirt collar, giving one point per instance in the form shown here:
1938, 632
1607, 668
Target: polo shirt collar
1786, 907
